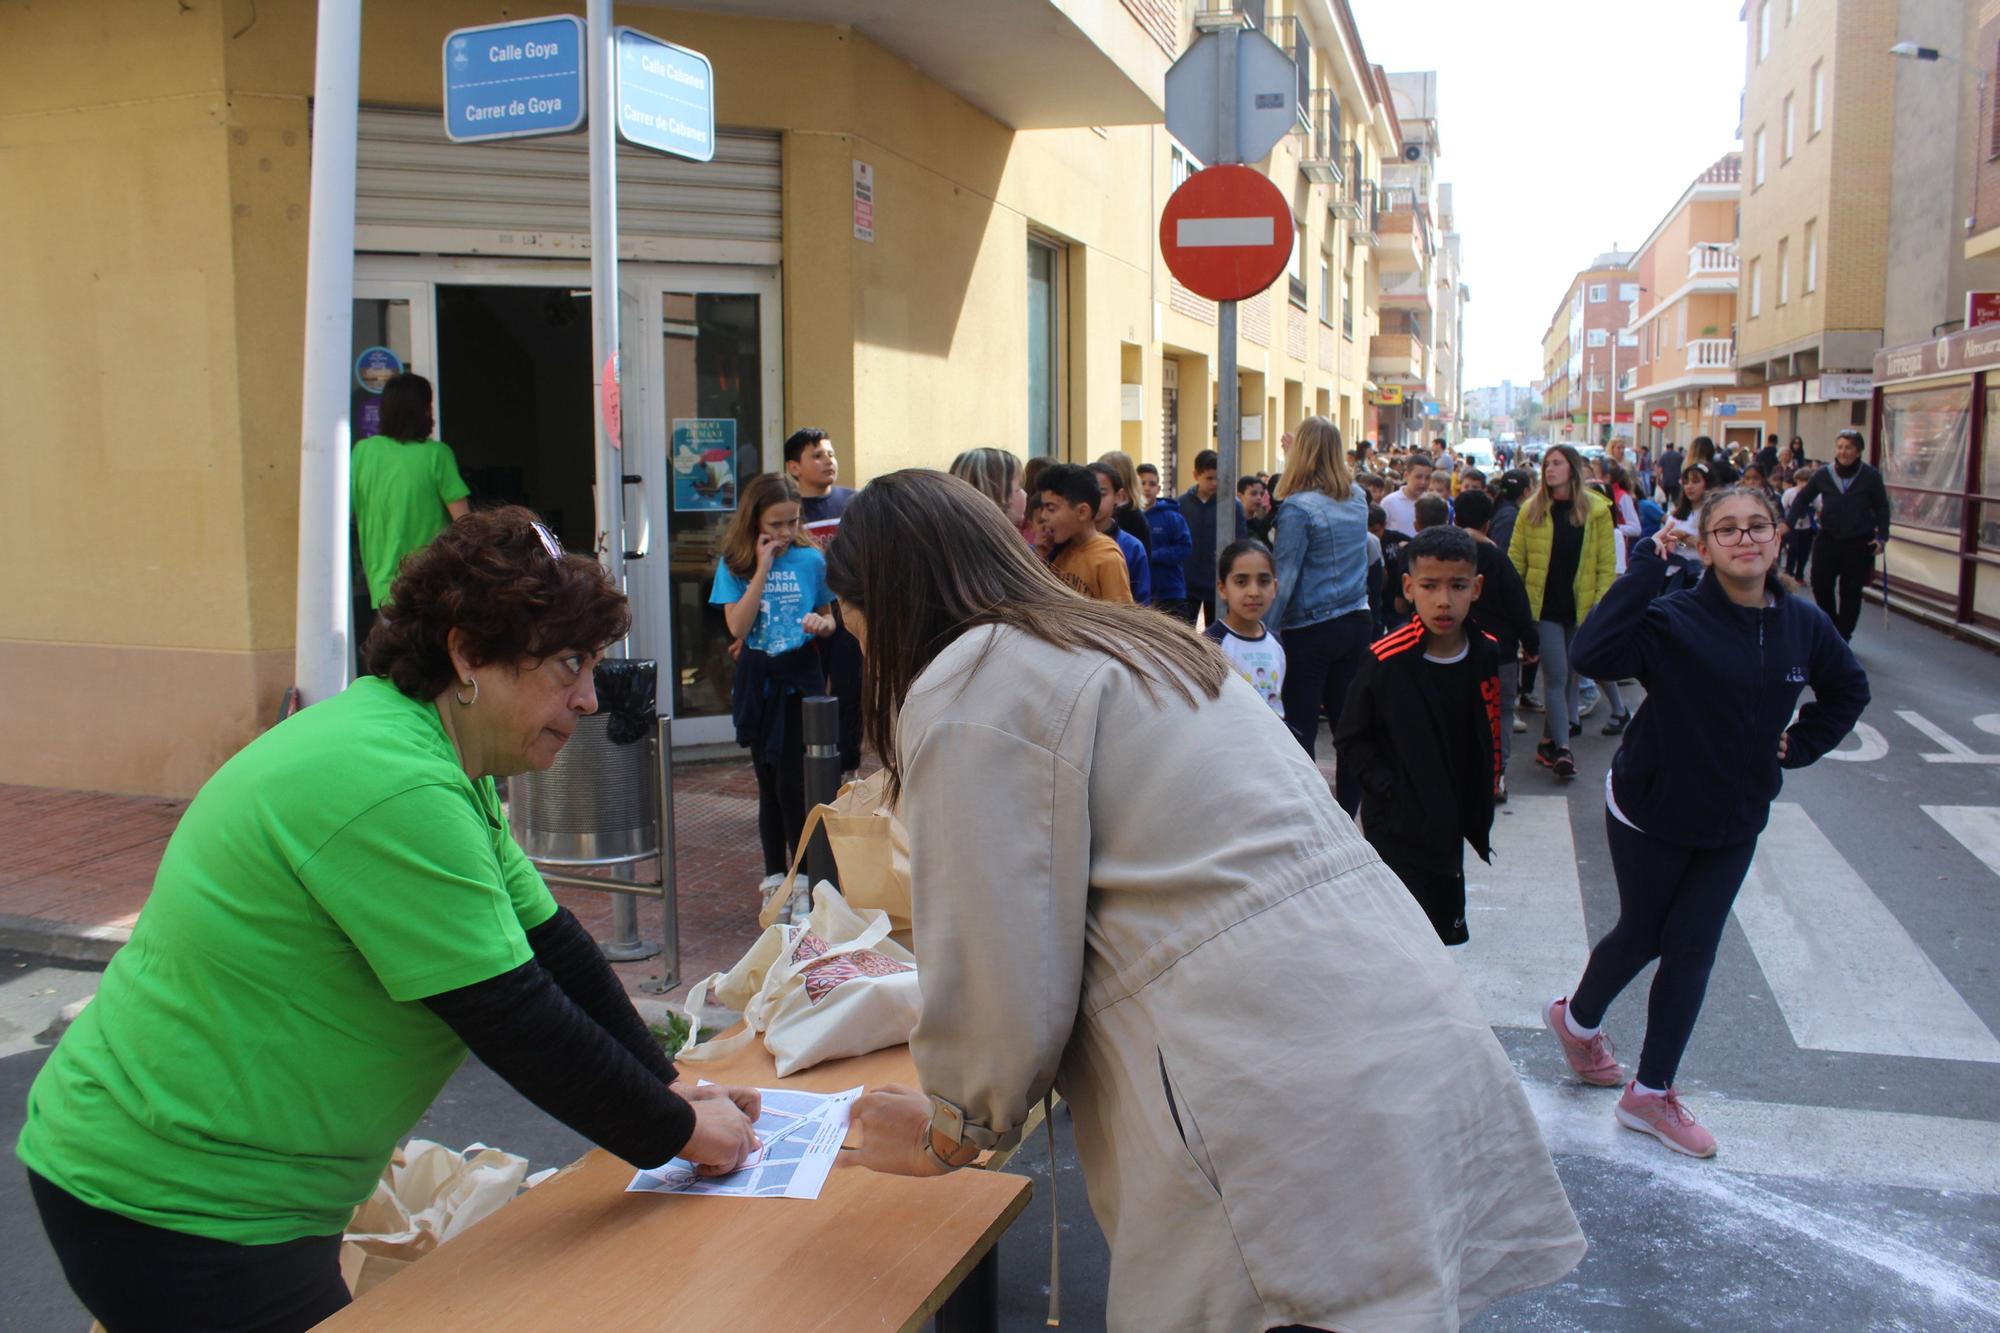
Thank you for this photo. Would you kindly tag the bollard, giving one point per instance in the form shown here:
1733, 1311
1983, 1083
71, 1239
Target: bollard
822, 727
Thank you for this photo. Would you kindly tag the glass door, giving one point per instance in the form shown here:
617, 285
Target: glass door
392, 334
711, 401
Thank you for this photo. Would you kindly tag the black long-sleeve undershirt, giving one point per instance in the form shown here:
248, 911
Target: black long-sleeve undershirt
560, 1030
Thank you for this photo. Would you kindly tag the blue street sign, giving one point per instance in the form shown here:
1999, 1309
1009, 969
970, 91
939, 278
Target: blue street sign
666, 96
513, 80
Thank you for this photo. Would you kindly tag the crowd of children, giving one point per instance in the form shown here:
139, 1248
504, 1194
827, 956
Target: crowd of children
1417, 604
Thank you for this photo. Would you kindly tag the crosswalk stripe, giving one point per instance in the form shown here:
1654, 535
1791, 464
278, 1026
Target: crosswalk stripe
1977, 827
1525, 913
1845, 973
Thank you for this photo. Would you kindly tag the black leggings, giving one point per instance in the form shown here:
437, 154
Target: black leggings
1320, 662
781, 790
133, 1276
1672, 903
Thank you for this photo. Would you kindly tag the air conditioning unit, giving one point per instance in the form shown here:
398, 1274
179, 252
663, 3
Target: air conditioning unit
1413, 152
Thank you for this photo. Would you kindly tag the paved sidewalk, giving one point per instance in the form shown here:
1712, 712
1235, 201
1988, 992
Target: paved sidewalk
75, 869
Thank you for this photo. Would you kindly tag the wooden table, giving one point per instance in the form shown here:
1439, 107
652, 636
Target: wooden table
872, 1252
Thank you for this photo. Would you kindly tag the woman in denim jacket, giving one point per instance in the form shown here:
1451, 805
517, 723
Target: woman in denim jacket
1321, 610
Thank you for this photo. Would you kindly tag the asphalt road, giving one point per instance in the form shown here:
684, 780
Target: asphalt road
1846, 1056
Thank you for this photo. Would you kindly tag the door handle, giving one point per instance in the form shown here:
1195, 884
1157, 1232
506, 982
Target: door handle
631, 479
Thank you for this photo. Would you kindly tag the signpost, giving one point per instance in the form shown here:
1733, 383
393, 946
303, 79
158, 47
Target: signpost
665, 97
514, 80
1659, 417
1229, 101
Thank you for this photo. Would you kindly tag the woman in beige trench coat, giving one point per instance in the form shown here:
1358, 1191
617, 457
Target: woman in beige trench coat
1131, 885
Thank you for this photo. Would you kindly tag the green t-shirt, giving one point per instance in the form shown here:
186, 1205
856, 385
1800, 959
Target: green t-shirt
399, 491
258, 1049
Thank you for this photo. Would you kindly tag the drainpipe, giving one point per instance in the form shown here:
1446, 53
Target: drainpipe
323, 635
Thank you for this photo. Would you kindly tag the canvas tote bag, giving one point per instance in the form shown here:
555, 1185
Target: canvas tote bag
871, 848
833, 986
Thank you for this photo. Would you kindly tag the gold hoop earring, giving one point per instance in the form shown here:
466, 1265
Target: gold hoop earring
459, 695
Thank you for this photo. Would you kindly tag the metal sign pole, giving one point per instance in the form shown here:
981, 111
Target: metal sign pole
1229, 413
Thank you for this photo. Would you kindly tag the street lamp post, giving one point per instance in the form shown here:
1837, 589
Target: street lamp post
1930, 55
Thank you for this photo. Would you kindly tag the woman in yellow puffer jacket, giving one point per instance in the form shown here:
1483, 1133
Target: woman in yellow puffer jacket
1563, 548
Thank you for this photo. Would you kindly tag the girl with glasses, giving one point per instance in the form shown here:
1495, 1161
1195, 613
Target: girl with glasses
1688, 793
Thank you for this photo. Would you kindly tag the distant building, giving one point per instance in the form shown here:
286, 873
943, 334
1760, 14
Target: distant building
1581, 353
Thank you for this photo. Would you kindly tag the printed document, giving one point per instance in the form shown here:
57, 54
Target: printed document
799, 1134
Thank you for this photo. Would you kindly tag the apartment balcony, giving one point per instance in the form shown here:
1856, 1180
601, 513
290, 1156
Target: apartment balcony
1399, 241
1324, 160
1407, 290
1710, 354
1713, 267
1396, 358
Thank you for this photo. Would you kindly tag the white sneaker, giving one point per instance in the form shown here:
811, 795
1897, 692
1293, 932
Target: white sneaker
1520, 727
1589, 706
768, 886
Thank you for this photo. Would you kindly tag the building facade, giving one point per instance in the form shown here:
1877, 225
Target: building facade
1583, 349
1002, 285
1684, 322
1414, 356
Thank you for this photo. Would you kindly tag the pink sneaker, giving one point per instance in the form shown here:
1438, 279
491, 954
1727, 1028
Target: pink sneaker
1666, 1118
1591, 1058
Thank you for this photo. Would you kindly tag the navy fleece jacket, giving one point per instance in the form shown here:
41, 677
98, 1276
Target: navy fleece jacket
1699, 765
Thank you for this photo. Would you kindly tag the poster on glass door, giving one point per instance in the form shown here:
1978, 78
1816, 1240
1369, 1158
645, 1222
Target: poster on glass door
704, 459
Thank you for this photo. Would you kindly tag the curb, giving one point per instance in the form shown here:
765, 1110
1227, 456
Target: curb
62, 940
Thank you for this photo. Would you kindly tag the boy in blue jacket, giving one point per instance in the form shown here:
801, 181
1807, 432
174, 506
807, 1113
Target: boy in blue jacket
1173, 543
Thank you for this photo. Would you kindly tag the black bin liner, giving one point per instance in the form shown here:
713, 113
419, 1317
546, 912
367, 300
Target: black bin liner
626, 690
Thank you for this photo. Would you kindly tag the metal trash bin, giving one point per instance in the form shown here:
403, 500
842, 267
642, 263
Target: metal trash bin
599, 803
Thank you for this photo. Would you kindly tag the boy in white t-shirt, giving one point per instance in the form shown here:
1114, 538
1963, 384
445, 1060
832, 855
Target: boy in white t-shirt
1246, 582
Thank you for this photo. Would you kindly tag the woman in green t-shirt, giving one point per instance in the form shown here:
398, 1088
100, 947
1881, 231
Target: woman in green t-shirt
341, 914
403, 486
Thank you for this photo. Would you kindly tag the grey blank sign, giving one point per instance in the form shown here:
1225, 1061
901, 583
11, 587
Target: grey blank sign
1266, 96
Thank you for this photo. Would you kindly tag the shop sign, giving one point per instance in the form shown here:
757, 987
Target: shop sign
665, 96
1790, 394
1389, 395
1981, 308
704, 463
864, 200
1746, 402
514, 80
1968, 349
1840, 387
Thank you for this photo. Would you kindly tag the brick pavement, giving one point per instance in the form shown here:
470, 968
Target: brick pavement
75, 869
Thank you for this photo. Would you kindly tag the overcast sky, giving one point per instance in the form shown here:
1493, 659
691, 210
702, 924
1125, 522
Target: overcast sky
1568, 125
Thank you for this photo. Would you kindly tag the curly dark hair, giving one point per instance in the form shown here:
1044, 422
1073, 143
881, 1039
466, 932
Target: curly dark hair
490, 577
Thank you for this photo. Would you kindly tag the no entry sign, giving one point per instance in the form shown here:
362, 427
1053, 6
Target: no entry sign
1227, 233
1659, 417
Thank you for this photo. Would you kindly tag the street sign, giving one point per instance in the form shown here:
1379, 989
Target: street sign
1267, 96
514, 80
665, 96
1659, 417
1227, 233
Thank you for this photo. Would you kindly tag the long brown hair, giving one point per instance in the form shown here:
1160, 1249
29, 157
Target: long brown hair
974, 570
1128, 475
992, 472
1536, 511
739, 544
1317, 462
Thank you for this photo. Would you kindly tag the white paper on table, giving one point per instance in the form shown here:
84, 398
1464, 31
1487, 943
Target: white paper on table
801, 1133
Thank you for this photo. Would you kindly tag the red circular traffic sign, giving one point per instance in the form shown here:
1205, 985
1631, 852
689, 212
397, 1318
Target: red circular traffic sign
1227, 233
1659, 417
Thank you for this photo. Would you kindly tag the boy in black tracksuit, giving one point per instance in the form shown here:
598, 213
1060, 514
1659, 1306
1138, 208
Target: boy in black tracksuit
1421, 729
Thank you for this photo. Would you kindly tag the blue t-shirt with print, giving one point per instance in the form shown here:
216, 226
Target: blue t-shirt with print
795, 585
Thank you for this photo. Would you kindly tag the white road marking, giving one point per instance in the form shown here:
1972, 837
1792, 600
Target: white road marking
1952, 750
1874, 745
1525, 913
1845, 973
1976, 826
1201, 233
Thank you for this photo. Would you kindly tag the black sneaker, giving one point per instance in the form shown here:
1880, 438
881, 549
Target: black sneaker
1545, 753
1565, 765
1575, 730
1617, 723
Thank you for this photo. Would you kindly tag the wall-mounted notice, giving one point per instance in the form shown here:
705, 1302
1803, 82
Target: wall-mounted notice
864, 201
704, 462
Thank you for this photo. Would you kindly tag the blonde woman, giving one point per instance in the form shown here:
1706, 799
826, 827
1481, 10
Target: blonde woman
1321, 607
995, 474
1565, 549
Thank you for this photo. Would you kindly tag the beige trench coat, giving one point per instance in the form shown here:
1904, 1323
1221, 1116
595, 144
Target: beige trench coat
1287, 1105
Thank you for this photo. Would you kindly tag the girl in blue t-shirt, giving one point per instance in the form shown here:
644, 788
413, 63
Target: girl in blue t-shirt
771, 585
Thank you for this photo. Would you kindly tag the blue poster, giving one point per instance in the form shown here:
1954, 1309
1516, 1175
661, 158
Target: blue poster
375, 367
704, 462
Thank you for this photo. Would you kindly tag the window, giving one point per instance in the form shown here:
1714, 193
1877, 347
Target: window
1812, 257
1597, 291
1326, 287
1756, 288
1628, 291
1681, 325
1044, 359
1183, 166
1763, 31
1791, 10
1925, 442
1296, 270
1818, 98
1788, 130
1784, 270
1627, 338
1757, 158
1595, 338
1347, 294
